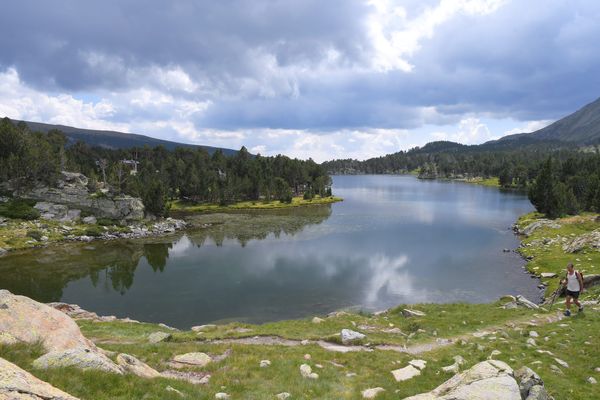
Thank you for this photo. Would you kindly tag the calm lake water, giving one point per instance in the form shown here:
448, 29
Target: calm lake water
394, 239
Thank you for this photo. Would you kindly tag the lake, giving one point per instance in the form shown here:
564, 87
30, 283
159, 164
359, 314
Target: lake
393, 240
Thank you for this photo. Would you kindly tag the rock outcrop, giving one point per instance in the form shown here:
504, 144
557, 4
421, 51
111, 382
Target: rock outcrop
17, 384
534, 226
78, 357
28, 321
489, 380
590, 239
71, 192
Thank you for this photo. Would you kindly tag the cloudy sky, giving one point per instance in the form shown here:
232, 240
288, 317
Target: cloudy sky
306, 78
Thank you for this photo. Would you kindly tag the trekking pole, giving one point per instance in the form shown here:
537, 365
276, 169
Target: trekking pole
555, 294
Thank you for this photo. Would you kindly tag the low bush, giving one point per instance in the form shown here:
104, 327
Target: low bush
107, 222
37, 235
19, 209
93, 231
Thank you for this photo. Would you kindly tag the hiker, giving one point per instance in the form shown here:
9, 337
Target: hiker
574, 283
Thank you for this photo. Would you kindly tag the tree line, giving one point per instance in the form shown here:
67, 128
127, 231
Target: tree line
159, 175
559, 180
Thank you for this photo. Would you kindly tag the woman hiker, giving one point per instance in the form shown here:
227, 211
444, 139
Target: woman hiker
574, 283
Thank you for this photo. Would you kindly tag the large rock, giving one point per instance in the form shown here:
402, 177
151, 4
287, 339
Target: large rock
72, 192
487, 380
591, 240
79, 357
17, 384
29, 321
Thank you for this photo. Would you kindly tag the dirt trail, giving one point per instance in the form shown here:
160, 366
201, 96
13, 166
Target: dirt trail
418, 348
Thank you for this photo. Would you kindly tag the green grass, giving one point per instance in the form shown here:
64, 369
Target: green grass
181, 206
489, 182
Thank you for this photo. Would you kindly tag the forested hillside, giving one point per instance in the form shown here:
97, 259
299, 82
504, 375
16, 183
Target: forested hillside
156, 174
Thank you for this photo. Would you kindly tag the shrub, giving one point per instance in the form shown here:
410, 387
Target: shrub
94, 231
107, 222
19, 209
37, 235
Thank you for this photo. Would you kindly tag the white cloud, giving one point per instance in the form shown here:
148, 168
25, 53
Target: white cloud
530, 126
17, 101
396, 37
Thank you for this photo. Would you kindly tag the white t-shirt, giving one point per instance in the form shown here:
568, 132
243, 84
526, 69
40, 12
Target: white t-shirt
573, 282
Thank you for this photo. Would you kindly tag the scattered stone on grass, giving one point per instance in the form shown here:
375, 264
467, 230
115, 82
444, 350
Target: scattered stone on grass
412, 313
306, 372
157, 337
195, 359
406, 373
173, 390
349, 336
372, 393
134, 366
79, 357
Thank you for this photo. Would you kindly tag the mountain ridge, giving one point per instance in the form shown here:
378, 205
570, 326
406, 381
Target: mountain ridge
114, 139
581, 127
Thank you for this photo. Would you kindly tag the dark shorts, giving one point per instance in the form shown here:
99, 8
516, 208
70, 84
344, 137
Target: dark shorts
574, 295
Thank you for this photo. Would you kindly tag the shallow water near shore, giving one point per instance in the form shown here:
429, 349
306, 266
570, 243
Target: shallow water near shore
394, 239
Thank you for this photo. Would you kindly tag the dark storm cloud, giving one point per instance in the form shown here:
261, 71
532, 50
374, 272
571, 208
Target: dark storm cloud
78, 45
308, 64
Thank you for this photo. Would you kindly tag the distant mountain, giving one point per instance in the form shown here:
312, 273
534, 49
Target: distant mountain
580, 128
115, 140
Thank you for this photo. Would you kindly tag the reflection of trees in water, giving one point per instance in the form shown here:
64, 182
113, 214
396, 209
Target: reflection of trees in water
156, 254
42, 274
257, 225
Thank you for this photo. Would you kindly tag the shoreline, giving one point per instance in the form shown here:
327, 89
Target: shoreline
17, 235
184, 208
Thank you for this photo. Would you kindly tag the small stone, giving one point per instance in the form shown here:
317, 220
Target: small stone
306, 372
531, 342
265, 363
454, 368
134, 366
158, 337
372, 393
405, 373
495, 353
173, 390
412, 313
283, 396
556, 369
533, 334
350, 374
561, 363
307, 356
193, 359
305, 342
420, 364
222, 396
204, 328
317, 320
592, 380
548, 275
349, 336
